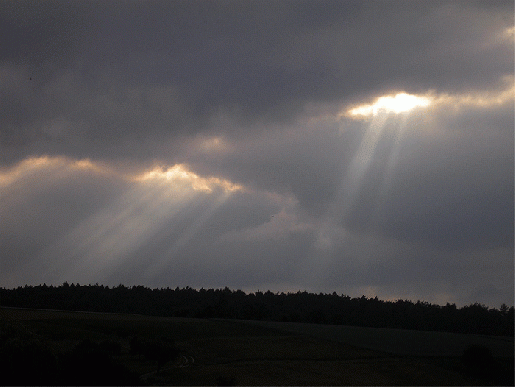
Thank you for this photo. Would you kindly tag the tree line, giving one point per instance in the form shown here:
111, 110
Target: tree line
305, 307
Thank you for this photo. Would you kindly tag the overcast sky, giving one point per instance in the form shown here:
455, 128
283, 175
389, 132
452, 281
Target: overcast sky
358, 147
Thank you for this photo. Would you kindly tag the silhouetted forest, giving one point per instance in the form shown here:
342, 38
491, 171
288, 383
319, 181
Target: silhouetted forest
295, 307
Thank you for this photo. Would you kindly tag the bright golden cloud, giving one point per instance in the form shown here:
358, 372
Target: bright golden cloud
179, 174
509, 32
45, 163
177, 177
404, 103
480, 99
397, 104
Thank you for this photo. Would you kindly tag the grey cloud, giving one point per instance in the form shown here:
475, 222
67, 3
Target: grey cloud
41, 207
142, 70
133, 84
37, 31
450, 191
450, 183
250, 265
304, 159
369, 264
41, 212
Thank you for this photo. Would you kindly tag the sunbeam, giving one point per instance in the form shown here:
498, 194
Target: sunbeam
384, 108
307, 145
393, 157
106, 240
187, 235
360, 164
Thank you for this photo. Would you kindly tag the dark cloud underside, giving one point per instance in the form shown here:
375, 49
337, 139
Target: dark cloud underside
260, 178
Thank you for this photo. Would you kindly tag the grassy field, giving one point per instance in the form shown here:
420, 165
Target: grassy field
399, 341
228, 352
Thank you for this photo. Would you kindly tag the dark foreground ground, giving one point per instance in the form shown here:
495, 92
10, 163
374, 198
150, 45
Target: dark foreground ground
78, 348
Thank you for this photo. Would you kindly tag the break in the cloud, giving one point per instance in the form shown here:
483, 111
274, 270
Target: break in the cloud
364, 148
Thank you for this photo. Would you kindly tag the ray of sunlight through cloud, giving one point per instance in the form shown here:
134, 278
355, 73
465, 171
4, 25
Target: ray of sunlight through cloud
398, 103
101, 243
201, 144
394, 111
381, 112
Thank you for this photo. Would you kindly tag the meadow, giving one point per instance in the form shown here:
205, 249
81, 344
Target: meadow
85, 348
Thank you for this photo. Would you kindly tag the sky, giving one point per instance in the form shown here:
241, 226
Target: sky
358, 147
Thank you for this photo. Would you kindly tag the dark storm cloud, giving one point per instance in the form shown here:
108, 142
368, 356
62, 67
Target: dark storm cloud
147, 70
306, 161
252, 240
451, 183
41, 35
253, 92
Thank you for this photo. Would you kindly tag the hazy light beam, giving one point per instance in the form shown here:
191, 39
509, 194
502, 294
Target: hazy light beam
391, 162
103, 242
379, 111
187, 235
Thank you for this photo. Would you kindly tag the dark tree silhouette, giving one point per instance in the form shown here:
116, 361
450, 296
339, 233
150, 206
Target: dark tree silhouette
297, 307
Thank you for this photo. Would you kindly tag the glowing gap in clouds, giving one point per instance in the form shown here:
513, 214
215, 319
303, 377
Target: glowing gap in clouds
179, 173
398, 103
49, 164
99, 245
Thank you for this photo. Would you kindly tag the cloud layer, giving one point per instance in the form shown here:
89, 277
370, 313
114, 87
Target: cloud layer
210, 144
